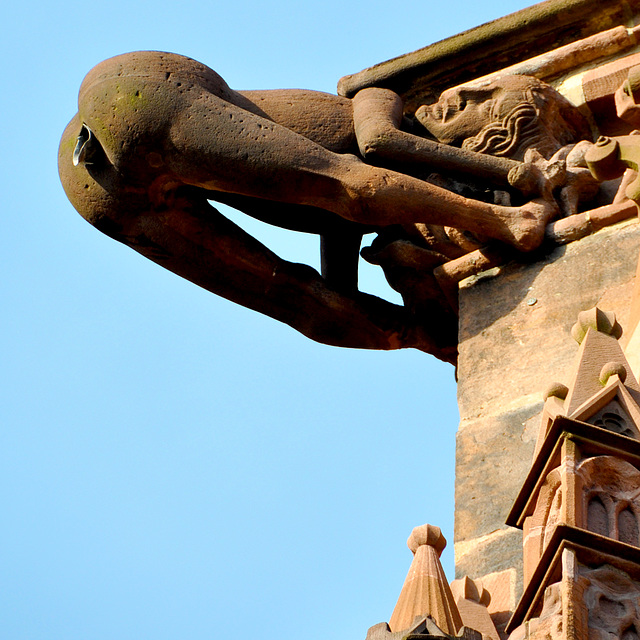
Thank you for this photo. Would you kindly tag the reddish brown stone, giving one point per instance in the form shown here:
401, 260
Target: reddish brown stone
600, 85
426, 591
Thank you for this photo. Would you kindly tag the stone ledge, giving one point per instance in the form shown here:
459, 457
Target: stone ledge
420, 76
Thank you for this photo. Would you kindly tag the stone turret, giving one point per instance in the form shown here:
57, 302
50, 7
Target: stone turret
579, 507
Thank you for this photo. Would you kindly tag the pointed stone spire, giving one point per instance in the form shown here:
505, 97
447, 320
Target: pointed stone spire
599, 357
602, 381
426, 590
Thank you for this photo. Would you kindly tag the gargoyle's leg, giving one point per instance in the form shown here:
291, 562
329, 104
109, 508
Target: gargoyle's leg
340, 239
201, 245
186, 235
219, 146
340, 253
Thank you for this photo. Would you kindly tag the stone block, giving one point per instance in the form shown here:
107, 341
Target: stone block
502, 446
505, 319
496, 553
599, 86
502, 588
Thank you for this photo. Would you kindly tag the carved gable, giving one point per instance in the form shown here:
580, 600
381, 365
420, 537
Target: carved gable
614, 408
613, 417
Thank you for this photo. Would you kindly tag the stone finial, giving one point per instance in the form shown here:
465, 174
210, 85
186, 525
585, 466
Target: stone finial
427, 534
472, 600
598, 320
599, 362
556, 390
612, 369
426, 590
470, 590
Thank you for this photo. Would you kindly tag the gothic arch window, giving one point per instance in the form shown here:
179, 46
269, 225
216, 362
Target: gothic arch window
611, 493
597, 516
628, 526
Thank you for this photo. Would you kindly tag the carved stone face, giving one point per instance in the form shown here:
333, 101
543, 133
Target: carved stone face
504, 117
460, 113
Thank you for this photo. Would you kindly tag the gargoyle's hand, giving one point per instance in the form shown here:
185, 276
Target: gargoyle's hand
579, 186
564, 177
537, 176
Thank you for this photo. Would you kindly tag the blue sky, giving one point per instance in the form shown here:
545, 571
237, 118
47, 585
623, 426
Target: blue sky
172, 465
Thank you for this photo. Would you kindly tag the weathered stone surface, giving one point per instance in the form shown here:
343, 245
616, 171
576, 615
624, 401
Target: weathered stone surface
502, 587
493, 553
612, 599
571, 57
490, 451
520, 308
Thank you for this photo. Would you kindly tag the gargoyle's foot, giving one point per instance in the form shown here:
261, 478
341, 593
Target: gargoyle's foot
524, 227
432, 333
424, 342
378, 324
403, 253
409, 270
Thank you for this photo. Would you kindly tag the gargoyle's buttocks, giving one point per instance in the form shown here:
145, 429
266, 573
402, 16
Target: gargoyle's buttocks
154, 65
114, 154
130, 102
94, 187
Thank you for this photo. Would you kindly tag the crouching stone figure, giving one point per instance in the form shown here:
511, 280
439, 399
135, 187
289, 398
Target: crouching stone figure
157, 136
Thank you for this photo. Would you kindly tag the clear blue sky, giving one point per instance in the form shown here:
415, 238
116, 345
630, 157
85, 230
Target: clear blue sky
173, 466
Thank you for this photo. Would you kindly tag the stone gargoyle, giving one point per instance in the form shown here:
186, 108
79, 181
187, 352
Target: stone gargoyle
158, 136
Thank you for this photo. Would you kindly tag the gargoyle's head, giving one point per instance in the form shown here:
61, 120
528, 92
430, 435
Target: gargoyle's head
505, 118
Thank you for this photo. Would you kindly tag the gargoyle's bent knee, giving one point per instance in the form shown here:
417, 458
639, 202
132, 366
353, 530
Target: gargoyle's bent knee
377, 114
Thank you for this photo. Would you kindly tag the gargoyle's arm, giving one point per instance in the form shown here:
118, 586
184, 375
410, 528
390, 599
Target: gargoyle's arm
377, 115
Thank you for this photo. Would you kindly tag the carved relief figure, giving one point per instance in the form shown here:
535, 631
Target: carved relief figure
505, 118
158, 135
612, 600
523, 119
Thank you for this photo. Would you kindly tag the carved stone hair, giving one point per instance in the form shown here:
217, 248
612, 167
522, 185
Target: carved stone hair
542, 119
